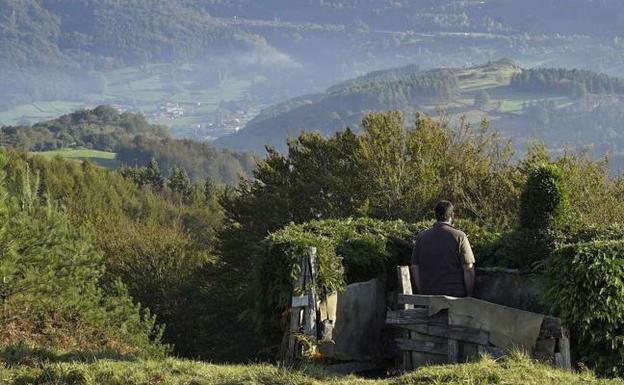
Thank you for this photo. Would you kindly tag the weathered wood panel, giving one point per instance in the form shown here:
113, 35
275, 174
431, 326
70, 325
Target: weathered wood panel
459, 333
415, 317
410, 299
422, 346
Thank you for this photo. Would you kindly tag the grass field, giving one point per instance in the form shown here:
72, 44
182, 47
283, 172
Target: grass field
515, 371
495, 83
102, 158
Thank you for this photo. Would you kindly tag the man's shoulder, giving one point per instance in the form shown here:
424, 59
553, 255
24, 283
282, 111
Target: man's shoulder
423, 233
441, 228
455, 231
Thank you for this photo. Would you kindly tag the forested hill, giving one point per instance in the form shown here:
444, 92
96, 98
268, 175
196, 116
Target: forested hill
101, 32
563, 107
134, 142
344, 105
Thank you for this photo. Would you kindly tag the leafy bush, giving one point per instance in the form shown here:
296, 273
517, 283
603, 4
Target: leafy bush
348, 251
585, 285
543, 202
542, 217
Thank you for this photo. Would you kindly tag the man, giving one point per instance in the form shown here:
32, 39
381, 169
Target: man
442, 259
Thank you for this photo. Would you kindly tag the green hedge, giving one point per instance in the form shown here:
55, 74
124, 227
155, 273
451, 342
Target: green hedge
350, 250
585, 284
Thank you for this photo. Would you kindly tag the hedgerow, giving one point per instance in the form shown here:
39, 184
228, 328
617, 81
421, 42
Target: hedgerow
585, 285
348, 251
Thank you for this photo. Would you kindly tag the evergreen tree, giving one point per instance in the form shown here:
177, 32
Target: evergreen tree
180, 183
153, 177
210, 190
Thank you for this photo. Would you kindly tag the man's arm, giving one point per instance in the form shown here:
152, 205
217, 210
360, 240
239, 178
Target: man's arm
469, 279
414, 270
415, 273
468, 260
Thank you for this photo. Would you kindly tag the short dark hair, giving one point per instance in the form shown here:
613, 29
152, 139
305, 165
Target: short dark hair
444, 211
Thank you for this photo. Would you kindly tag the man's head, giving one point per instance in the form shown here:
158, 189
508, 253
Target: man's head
444, 211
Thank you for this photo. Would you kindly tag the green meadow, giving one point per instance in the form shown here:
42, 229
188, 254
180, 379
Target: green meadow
102, 158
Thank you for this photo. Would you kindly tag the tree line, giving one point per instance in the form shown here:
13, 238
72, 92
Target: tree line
572, 82
134, 140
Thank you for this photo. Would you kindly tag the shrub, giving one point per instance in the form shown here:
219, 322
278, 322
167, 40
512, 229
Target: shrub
543, 215
544, 200
348, 251
585, 285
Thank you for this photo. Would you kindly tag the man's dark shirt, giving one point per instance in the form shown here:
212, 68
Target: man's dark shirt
441, 253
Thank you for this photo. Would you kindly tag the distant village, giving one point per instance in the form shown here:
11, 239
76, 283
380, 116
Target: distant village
228, 118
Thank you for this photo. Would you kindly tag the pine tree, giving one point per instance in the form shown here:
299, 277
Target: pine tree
210, 189
153, 175
180, 183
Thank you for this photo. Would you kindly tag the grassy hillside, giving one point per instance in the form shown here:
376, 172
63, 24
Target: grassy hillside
515, 371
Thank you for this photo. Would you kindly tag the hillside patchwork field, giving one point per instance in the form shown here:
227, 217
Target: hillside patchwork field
474, 92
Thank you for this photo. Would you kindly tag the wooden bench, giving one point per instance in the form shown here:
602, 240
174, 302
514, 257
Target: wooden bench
431, 337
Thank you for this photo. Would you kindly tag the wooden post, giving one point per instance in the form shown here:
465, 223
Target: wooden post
563, 358
405, 287
311, 310
296, 313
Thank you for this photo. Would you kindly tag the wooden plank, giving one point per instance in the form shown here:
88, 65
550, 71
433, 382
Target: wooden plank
453, 351
405, 287
422, 346
460, 333
405, 284
412, 299
415, 317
